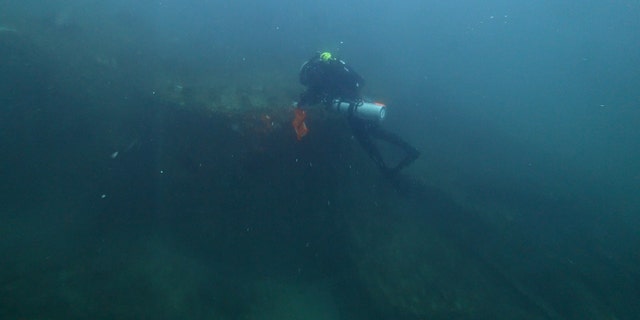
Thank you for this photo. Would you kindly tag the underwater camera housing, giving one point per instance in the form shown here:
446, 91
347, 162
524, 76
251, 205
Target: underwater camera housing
371, 111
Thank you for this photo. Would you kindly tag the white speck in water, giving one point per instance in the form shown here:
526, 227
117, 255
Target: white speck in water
114, 155
103, 196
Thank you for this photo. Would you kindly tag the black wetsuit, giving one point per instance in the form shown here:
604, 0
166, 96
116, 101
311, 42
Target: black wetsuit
328, 81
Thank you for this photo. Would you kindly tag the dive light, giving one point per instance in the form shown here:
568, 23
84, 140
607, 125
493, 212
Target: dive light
372, 111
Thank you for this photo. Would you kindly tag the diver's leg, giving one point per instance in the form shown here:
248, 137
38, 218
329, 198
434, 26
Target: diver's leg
361, 132
411, 153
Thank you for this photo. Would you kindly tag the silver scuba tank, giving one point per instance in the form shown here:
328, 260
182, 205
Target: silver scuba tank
371, 111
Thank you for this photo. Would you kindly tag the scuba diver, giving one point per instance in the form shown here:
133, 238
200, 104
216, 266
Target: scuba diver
334, 84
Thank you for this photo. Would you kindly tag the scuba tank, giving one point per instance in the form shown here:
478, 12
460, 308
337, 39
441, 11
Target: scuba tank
371, 111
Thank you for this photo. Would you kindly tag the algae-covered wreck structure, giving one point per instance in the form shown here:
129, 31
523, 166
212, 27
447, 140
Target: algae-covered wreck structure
150, 173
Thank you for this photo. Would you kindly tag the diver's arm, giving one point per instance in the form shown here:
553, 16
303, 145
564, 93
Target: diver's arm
308, 98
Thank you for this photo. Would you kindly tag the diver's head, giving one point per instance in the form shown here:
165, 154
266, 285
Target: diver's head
325, 56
